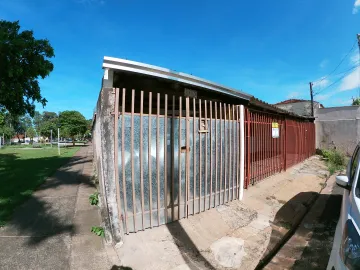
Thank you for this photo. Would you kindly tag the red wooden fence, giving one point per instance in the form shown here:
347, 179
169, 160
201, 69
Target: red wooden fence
273, 144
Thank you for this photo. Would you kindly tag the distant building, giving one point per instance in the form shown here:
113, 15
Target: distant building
298, 106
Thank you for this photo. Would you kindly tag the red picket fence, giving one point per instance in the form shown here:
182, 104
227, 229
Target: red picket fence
273, 144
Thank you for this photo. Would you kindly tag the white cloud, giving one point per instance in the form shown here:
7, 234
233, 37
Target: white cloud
351, 81
354, 59
321, 83
324, 63
356, 6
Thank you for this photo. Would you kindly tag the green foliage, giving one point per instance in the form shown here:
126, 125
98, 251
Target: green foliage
72, 123
24, 59
30, 132
94, 198
356, 102
99, 231
335, 160
45, 122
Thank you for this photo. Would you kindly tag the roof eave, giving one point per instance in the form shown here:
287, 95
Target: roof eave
142, 68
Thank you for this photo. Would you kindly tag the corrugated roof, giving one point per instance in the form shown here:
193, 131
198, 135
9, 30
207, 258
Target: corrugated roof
155, 71
262, 104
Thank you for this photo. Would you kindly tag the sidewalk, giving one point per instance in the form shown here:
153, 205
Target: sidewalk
311, 244
232, 236
52, 229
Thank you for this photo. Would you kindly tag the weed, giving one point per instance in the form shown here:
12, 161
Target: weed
334, 159
323, 185
99, 231
94, 198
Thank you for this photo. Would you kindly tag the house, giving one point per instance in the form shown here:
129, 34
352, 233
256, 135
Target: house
298, 106
168, 144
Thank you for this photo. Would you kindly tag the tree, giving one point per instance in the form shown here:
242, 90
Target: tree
38, 121
356, 102
72, 123
23, 60
31, 133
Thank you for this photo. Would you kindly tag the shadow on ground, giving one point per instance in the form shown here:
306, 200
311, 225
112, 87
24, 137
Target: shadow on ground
44, 213
321, 231
190, 253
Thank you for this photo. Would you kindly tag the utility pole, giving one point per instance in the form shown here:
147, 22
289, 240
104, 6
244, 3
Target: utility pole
312, 99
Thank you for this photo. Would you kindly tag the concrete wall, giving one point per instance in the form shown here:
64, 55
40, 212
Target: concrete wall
300, 108
103, 143
338, 127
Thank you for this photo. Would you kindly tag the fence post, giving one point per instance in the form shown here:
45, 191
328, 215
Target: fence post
242, 151
285, 144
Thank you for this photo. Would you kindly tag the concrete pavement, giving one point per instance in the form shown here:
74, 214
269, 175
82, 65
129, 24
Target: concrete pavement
231, 236
52, 229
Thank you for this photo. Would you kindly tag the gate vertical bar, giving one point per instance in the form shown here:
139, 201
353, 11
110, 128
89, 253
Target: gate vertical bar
225, 152
211, 158
165, 159
216, 157
221, 159
234, 155
179, 159
206, 155
200, 150
187, 171
123, 158
238, 140
172, 199
149, 159
194, 152
132, 157
158, 156
229, 151
141, 159
248, 147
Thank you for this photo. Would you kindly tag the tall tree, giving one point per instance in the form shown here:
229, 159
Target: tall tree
72, 123
24, 59
31, 133
38, 121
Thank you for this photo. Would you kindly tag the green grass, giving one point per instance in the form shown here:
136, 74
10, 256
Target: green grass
22, 171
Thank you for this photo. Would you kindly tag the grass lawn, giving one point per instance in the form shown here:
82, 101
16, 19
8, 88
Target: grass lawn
22, 171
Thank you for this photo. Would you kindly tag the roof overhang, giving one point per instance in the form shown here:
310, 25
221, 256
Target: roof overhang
141, 68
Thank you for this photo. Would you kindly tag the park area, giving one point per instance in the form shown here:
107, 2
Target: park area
22, 170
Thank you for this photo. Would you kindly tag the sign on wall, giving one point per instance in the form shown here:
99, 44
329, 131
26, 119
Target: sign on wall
275, 130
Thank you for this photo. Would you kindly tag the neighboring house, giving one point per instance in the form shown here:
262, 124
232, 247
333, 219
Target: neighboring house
18, 137
298, 106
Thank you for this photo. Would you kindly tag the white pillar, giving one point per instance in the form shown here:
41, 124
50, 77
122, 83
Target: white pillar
59, 141
242, 151
51, 138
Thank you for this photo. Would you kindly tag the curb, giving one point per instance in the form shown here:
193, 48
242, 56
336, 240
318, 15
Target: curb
271, 254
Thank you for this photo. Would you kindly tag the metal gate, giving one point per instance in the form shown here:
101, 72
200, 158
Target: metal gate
177, 157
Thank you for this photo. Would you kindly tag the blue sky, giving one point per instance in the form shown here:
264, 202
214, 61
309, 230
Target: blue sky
271, 49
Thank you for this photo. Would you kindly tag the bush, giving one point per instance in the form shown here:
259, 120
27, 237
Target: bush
335, 160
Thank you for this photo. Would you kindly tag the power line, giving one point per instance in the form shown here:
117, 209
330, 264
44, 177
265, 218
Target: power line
342, 60
338, 80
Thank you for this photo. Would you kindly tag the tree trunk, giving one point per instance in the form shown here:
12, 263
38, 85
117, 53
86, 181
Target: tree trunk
73, 140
